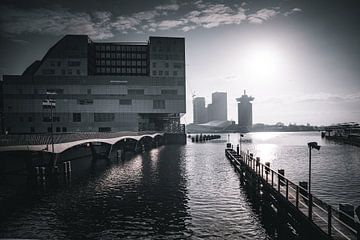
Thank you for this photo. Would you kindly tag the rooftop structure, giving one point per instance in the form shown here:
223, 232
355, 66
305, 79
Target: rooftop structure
245, 111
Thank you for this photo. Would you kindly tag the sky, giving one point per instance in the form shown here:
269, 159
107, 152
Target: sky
299, 59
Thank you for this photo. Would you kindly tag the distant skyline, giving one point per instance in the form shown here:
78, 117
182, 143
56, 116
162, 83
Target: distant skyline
299, 59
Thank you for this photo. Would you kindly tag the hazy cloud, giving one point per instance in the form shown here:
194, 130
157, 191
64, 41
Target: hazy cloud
105, 24
262, 15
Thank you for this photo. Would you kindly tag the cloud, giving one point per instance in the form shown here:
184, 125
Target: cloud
292, 11
56, 21
262, 15
184, 17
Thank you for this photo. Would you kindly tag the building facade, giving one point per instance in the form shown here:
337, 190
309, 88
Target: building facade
218, 108
98, 86
199, 110
245, 111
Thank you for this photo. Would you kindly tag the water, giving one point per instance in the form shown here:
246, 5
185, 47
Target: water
335, 168
175, 192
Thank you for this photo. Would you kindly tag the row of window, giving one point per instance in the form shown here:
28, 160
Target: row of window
165, 49
69, 63
111, 47
163, 73
121, 63
50, 71
166, 65
124, 70
121, 55
89, 91
128, 101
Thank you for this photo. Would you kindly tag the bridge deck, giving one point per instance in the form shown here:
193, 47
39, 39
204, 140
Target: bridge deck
63, 141
333, 222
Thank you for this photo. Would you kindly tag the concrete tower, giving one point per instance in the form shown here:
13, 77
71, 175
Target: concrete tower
245, 111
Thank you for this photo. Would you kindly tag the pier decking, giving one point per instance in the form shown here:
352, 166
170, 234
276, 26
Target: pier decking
303, 211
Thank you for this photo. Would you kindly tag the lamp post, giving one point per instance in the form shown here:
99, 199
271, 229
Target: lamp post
50, 103
311, 145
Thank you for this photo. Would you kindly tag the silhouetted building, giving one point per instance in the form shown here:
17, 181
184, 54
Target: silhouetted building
199, 110
218, 109
245, 111
99, 86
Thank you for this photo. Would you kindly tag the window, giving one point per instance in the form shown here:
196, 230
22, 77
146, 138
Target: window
169, 92
177, 65
160, 73
85, 101
125, 101
167, 65
76, 117
175, 73
104, 117
136, 91
48, 119
158, 104
154, 64
57, 129
64, 129
154, 73
32, 129
166, 73
73, 63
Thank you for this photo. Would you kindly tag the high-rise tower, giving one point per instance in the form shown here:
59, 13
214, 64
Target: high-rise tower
245, 111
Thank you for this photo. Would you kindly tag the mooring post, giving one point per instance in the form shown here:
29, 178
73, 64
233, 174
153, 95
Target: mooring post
297, 196
272, 178
310, 206
329, 221
287, 189
281, 176
258, 165
267, 170
237, 149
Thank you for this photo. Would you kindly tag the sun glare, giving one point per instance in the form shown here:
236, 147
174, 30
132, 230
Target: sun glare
261, 62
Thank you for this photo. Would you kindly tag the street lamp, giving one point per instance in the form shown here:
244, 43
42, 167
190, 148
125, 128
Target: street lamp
311, 145
50, 103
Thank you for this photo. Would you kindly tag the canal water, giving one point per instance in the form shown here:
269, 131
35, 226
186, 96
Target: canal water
176, 192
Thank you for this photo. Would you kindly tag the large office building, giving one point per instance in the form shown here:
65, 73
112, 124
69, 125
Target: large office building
218, 108
199, 110
98, 86
245, 111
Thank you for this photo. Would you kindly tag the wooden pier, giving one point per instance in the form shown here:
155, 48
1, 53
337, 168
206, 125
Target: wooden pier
308, 215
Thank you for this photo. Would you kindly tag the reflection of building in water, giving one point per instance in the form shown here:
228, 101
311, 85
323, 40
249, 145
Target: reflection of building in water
245, 111
98, 86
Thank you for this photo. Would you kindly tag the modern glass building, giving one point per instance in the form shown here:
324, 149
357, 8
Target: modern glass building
82, 85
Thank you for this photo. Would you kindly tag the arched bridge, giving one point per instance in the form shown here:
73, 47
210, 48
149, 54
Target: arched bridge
63, 142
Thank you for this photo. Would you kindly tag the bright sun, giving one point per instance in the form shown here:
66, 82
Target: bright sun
261, 62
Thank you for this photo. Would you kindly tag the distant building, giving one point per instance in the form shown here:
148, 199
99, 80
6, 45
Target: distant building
199, 110
218, 109
98, 86
245, 111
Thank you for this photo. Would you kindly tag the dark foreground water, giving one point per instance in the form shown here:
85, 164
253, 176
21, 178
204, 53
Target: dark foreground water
176, 192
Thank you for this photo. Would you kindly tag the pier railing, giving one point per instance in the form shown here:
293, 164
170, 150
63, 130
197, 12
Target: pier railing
333, 222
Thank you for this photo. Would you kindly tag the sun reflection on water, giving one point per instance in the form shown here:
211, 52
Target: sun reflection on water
267, 152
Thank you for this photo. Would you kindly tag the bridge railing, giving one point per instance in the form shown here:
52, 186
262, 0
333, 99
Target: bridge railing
334, 222
45, 138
